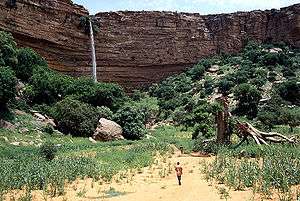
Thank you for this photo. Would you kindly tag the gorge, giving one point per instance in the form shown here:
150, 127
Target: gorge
136, 49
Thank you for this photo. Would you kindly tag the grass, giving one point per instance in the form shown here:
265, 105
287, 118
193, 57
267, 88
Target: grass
22, 167
266, 170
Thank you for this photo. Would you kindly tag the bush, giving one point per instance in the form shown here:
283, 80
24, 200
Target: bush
8, 84
46, 86
48, 151
131, 120
225, 86
248, 97
290, 91
96, 94
8, 50
104, 112
27, 61
196, 72
75, 118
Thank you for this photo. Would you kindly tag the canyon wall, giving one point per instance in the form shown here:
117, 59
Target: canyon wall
139, 48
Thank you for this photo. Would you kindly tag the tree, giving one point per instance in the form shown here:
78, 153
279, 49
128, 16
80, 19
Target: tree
291, 117
27, 61
248, 98
290, 91
8, 50
269, 119
225, 86
132, 122
8, 84
75, 118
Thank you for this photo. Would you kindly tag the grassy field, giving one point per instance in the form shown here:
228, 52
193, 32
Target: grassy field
24, 167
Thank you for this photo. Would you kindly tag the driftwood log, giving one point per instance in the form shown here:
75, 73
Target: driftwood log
247, 130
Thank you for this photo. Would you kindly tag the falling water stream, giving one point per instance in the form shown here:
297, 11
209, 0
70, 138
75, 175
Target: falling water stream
93, 52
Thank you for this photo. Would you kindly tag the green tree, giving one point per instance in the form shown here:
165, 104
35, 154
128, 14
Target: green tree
290, 91
75, 118
27, 61
291, 117
269, 119
8, 83
132, 121
8, 50
248, 98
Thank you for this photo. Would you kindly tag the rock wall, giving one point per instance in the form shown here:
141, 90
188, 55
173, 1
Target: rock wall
139, 48
51, 27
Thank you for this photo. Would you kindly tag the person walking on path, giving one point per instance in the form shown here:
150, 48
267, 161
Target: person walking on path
178, 170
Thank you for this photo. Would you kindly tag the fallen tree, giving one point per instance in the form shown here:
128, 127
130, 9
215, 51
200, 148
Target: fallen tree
246, 130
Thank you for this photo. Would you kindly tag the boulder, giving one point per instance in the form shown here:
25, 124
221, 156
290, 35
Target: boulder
108, 130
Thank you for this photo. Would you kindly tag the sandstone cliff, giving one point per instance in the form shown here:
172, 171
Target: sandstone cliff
138, 48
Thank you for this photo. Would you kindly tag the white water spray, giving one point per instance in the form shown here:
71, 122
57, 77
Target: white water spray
93, 52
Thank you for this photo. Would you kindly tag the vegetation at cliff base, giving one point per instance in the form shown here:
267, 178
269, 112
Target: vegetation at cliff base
261, 85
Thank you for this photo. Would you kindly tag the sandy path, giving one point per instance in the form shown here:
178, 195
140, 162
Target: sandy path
149, 185
193, 187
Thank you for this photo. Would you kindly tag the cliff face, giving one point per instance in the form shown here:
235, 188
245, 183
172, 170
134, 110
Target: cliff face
138, 48
51, 27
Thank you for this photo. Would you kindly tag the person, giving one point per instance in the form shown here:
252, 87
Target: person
178, 170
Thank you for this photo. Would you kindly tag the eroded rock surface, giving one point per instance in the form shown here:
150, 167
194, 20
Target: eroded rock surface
139, 48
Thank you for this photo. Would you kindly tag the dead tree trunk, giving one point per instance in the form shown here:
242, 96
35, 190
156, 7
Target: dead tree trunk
222, 120
247, 130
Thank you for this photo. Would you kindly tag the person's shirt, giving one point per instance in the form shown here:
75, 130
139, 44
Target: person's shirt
178, 170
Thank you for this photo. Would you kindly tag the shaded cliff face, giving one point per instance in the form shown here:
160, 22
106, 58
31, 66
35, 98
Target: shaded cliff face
139, 48
51, 27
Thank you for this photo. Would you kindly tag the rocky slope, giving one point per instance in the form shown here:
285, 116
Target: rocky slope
138, 48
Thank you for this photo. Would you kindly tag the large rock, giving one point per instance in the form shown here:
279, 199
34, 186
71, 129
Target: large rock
139, 48
108, 130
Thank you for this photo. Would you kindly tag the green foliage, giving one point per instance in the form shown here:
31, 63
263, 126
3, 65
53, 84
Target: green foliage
275, 170
8, 83
196, 72
290, 91
267, 118
104, 112
291, 117
132, 122
8, 50
48, 151
209, 85
225, 86
248, 97
75, 118
96, 94
46, 86
27, 61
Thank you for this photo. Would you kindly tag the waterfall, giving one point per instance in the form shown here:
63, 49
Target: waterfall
93, 52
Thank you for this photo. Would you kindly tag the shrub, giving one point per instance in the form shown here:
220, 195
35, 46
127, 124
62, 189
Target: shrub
46, 86
27, 61
75, 118
8, 50
48, 151
8, 83
209, 85
131, 120
268, 119
196, 72
96, 94
104, 112
225, 86
290, 91
291, 117
248, 97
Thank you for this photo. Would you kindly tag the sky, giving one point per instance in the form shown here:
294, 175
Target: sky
197, 6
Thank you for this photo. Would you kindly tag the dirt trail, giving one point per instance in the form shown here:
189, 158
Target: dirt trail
193, 188
155, 183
